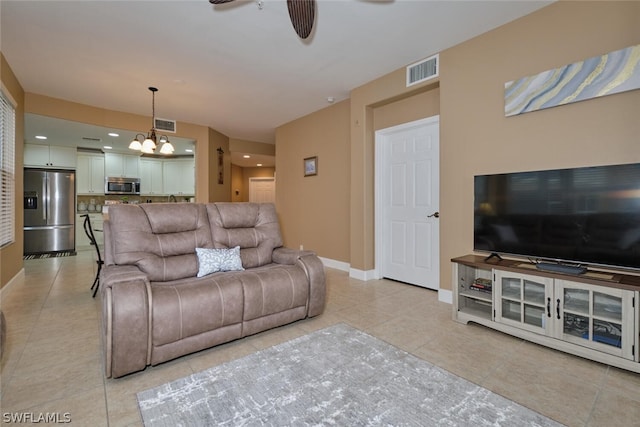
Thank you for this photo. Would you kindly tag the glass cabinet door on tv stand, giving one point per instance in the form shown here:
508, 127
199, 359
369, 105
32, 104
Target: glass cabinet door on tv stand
524, 301
596, 317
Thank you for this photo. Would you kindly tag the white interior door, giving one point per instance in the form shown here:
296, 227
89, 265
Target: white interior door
262, 190
408, 192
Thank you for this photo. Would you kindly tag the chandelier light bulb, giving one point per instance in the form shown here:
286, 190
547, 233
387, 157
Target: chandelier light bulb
167, 148
135, 145
148, 146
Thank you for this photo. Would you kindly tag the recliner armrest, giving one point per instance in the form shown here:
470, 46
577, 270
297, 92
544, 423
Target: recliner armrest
111, 275
288, 256
125, 319
313, 268
317, 283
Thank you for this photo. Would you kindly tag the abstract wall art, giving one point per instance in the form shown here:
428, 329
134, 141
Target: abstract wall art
614, 72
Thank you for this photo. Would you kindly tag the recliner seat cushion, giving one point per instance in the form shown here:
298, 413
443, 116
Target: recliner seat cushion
187, 308
273, 289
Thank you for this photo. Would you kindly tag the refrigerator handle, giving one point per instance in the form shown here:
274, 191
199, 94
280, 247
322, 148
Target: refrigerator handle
45, 197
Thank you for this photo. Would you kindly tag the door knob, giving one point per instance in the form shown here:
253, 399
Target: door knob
434, 215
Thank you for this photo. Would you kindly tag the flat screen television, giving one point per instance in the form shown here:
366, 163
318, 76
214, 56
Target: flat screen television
577, 217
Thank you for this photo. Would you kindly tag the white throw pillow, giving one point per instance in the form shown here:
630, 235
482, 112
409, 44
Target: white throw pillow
213, 260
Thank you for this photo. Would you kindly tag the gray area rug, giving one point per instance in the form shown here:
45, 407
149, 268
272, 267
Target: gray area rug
337, 376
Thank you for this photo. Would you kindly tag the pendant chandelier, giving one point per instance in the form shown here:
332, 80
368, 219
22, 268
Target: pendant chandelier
148, 144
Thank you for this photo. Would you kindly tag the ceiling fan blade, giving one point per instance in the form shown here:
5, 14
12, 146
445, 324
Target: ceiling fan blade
219, 1
302, 14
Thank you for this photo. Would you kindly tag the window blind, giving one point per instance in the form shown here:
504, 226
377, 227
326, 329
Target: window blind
7, 169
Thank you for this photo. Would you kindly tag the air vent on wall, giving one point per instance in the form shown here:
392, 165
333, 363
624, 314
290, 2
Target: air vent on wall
165, 125
424, 70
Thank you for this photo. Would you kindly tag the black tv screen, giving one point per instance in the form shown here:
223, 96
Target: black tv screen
586, 216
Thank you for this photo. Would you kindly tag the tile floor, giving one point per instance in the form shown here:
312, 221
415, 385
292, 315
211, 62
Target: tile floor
52, 362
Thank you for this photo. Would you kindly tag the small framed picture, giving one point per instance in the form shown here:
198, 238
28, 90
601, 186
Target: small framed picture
311, 166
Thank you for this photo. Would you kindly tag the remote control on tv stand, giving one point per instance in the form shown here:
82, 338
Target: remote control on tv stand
561, 268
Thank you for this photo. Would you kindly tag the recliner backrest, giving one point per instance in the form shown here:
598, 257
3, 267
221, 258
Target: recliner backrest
160, 238
252, 226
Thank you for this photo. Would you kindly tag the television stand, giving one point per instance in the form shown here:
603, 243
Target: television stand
592, 315
561, 268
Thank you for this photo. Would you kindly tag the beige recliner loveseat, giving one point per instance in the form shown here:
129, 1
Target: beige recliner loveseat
155, 307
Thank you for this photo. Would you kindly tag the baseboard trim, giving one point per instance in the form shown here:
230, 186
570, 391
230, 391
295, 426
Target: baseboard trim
353, 272
332, 263
363, 275
11, 283
445, 295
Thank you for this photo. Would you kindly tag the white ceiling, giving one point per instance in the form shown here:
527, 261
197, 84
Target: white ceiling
236, 68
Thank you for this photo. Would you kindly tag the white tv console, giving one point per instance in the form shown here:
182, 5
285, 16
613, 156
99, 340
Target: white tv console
594, 315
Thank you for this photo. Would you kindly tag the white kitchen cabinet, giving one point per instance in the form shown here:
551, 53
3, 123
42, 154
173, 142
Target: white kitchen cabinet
49, 156
151, 179
90, 174
121, 165
595, 315
179, 177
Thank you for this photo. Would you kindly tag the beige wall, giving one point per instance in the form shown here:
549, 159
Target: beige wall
11, 255
416, 107
477, 138
297, 139
217, 192
244, 146
314, 210
236, 183
475, 135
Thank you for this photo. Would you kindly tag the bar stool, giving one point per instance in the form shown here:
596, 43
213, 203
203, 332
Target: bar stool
92, 238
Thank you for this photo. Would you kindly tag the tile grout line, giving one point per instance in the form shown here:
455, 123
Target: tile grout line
33, 326
597, 396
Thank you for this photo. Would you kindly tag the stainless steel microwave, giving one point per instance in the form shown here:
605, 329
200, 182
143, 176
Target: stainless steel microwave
117, 185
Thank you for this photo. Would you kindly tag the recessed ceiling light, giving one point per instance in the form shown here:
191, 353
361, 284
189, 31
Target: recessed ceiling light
188, 150
41, 137
259, 164
113, 134
107, 147
246, 156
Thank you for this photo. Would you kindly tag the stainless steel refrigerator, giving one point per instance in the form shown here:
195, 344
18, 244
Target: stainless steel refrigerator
49, 211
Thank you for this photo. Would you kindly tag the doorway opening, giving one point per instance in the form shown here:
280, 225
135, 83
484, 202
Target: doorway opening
262, 190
